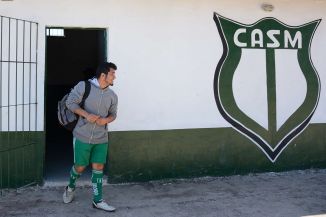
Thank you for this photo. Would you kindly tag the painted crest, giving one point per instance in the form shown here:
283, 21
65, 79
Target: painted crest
265, 84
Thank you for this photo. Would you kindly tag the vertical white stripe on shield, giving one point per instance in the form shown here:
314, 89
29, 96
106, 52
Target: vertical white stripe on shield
291, 85
250, 86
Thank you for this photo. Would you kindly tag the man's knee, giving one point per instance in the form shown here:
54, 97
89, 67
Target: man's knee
79, 169
97, 166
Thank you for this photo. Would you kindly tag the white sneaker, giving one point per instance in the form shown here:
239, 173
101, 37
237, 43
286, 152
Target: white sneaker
103, 206
68, 195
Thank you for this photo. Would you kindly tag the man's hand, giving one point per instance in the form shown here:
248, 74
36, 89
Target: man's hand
101, 121
92, 118
89, 117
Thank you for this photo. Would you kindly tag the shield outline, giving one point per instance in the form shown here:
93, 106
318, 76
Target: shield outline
271, 153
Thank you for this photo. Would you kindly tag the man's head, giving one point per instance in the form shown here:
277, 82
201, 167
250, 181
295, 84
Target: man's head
105, 74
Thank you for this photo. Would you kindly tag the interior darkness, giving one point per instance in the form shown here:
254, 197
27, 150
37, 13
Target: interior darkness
69, 60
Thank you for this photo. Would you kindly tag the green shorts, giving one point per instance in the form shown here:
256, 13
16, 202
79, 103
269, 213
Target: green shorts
85, 153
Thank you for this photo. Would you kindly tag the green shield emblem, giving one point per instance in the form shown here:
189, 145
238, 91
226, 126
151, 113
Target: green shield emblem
257, 55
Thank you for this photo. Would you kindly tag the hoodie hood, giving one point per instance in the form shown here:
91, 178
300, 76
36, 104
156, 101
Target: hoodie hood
95, 82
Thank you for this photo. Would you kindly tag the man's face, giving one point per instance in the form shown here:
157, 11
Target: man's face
110, 77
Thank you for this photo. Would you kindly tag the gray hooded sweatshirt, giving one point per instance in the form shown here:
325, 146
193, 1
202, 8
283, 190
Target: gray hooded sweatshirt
102, 102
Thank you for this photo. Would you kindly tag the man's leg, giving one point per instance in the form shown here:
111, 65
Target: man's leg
81, 160
82, 152
98, 159
75, 173
97, 179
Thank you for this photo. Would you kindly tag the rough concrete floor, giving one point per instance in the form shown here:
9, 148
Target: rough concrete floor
295, 193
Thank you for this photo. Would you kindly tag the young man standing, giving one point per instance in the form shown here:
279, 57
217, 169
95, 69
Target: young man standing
91, 134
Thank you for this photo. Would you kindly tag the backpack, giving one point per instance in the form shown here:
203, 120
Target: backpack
67, 118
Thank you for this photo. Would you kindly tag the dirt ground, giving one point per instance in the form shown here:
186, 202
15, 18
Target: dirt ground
295, 193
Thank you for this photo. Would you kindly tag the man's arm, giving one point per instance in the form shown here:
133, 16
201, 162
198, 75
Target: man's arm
112, 111
73, 100
89, 117
103, 121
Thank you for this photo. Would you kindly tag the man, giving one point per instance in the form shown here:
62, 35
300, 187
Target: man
91, 134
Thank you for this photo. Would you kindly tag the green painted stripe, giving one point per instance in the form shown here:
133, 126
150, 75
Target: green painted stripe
148, 155
21, 158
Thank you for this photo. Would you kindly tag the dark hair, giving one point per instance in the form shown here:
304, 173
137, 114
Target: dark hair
104, 68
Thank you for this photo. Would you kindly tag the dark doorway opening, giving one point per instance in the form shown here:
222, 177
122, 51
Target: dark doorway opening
71, 56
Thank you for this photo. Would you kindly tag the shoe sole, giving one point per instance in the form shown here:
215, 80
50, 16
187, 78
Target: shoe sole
95, 207
66, 202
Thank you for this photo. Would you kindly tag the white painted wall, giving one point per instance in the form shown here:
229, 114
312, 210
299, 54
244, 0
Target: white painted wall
167, 52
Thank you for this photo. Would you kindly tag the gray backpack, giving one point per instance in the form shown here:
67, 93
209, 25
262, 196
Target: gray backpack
67, 118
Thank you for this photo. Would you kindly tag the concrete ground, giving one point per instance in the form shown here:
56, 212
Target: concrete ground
295, 193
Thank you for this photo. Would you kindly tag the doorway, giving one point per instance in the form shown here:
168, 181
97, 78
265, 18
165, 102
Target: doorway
72, 55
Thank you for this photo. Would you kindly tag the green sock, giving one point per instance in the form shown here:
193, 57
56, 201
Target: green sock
97, 177
74, 175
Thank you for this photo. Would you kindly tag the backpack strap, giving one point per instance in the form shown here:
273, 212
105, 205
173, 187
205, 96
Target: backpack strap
86, 93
